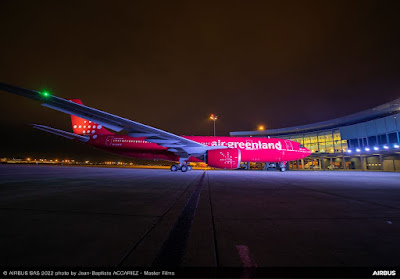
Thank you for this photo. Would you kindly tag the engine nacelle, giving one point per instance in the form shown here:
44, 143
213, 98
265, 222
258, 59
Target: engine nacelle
224, 158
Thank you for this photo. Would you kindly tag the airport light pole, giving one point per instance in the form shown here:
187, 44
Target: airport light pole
213, 118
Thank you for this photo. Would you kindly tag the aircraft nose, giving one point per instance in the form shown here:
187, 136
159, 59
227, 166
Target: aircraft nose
308, 152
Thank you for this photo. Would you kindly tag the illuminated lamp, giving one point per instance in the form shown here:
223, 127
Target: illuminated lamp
45, 93
396, 146
358, 150
213, 118
349, 151
386, 147
376, 148
367, 149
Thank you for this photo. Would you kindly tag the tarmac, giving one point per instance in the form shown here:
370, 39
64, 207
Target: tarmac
92, 216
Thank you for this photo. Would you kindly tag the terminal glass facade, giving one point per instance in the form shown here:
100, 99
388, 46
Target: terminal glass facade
377, 134
367, 141
327, 141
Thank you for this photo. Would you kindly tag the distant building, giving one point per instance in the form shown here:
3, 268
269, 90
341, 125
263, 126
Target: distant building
368, 140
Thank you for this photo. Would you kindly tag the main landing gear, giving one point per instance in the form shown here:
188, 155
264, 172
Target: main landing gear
174, 168
183, 166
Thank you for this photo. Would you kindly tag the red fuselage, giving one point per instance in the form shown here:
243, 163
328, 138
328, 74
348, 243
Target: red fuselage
252, 149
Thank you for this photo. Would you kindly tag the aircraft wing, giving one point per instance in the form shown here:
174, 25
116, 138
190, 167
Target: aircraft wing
179, 145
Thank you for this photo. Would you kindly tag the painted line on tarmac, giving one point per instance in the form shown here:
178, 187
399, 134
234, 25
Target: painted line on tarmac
245, 256
247, 260
158, 220
214, 232
173, 250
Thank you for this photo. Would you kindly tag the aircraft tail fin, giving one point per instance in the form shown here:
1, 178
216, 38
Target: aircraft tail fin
82, 126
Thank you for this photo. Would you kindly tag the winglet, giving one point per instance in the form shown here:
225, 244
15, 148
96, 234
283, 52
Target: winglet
33, 94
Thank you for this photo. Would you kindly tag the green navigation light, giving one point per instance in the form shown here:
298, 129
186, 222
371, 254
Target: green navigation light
45, 93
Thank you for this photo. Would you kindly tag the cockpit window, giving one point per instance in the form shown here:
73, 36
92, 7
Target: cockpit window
301, 146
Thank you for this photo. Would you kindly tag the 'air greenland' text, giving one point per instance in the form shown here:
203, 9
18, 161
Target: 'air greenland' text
246, 145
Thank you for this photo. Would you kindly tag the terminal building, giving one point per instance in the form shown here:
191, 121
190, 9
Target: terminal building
368, 140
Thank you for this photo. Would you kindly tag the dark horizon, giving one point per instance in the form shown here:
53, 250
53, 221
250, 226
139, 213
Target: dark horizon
171, 64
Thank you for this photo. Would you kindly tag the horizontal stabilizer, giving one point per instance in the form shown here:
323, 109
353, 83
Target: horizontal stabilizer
61, 133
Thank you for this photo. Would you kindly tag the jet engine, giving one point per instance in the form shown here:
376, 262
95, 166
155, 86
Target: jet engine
224, 158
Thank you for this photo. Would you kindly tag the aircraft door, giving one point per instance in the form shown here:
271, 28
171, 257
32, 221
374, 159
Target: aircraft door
109, 140
289, 146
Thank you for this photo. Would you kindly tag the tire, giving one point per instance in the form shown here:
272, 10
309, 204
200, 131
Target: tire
190, 168
184, 168
174, 168
283, 169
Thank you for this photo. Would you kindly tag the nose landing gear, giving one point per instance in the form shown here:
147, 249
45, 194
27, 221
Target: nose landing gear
282, 166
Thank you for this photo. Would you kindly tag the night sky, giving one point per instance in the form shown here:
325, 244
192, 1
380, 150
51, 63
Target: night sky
170, 64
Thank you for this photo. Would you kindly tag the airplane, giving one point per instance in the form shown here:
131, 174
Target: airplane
92, 127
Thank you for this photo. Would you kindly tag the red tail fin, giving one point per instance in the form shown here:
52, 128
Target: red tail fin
82, 126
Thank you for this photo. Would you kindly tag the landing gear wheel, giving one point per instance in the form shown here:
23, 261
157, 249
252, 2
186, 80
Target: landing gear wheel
174, 168
282, 166
184, 168
190, 168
